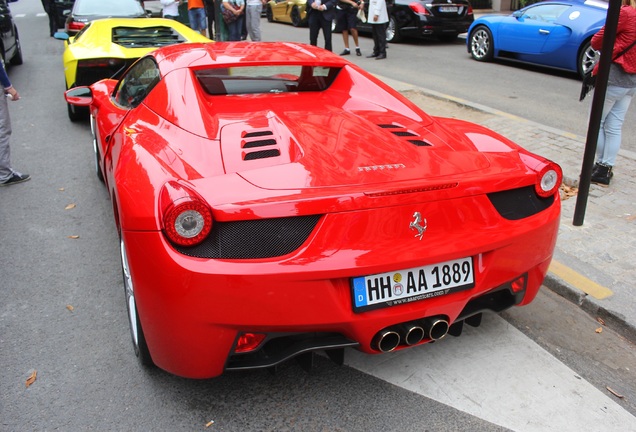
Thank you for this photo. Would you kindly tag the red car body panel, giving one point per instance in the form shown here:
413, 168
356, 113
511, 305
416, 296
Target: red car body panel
336, 160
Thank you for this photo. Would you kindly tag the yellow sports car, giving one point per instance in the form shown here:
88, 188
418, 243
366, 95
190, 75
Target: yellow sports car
293, 12
105, 48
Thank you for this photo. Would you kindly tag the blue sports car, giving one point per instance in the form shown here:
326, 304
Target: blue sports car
551, 33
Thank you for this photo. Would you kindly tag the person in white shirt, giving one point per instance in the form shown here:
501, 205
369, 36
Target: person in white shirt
170, 8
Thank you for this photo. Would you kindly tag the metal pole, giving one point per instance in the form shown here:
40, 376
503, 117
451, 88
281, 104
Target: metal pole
594, 126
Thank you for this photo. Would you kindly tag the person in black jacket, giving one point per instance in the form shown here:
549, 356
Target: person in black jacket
320, 14
51, 11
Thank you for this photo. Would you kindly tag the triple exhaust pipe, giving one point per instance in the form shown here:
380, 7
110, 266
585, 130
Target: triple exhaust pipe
410, 333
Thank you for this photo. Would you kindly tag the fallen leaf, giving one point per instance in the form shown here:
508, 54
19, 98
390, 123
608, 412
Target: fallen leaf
70, 307
31, 379
568, 191
618, 395
600, 320
210, 423
631, 218
73, 237
599, 330
61, 189
70, 206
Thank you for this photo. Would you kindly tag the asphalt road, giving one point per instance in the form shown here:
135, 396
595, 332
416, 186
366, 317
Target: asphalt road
63, 315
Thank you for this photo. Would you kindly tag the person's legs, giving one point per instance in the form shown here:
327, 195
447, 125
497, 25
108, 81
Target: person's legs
326, 32
5, 134
253, 17
617, 101
314, 28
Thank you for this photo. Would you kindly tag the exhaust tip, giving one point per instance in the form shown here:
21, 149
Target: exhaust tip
413, 334
438, 329
386, 340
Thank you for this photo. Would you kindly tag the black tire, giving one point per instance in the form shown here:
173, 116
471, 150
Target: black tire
269, 14
98, 169
588, 57
136, 331
392, 31
295, 17
481, 44
17, 60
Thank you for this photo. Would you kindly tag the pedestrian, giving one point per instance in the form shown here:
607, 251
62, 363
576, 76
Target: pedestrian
253, 10
320, 15
8, 176
234, 28
621, 87
51, 11
196, 16
211, 14
347, 20
378, 17
170, 9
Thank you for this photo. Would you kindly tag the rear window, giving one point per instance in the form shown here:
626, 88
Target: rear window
238, 80
117, 8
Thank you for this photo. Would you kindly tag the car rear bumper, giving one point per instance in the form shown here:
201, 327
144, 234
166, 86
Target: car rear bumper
193, 309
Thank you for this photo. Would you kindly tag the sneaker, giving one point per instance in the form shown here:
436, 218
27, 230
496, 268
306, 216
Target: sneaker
358, 53
16, 178
345, 52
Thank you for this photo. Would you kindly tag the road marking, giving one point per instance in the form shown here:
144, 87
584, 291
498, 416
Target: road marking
579, 281
498, 374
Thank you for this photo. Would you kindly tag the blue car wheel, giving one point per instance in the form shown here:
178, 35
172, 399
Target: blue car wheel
481, 44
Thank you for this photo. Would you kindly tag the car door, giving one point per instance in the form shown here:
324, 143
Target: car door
533, 30
129, 93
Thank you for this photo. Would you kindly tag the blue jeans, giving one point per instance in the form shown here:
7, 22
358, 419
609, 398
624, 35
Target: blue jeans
617, 100
196, 16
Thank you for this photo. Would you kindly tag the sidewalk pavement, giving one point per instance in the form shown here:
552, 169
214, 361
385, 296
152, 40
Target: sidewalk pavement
594, 265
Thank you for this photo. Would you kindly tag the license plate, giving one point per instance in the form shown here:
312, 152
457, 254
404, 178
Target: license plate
448, 8
405, 286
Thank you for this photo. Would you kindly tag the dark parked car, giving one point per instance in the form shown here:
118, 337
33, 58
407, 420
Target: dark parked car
10, 49
85, 11
443, 19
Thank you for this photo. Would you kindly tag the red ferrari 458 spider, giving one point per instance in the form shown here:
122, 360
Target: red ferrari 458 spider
273, 200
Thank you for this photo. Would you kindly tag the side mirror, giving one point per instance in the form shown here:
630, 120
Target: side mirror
517, 14
79, 96
61, 35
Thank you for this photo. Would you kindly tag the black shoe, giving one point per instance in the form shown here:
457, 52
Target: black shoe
372, 55
15, 179
602, 174
345, 52
358, 53
380, 57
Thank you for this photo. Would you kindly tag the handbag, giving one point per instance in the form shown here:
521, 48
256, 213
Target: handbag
228, 16
361, 16
589, 80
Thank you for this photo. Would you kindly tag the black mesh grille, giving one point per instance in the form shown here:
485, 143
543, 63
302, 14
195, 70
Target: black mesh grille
420, 143
263, 238
134, 37
401, 131
262, 154
519, 203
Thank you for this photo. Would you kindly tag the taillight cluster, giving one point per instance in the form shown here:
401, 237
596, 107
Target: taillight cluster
75, 26
187, 219
548, 180
419, 8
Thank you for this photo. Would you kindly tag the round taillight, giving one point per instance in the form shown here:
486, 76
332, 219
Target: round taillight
188, 222
549, 180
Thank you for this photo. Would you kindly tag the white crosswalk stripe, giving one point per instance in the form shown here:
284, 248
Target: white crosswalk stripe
513, 383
